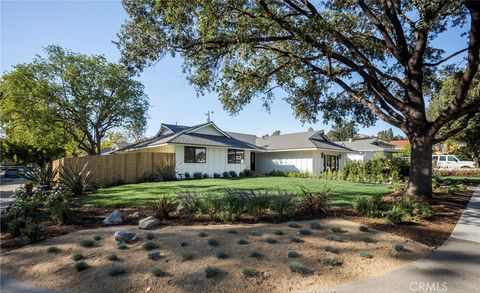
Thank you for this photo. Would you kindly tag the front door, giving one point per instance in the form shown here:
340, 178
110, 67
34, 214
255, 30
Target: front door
252, 161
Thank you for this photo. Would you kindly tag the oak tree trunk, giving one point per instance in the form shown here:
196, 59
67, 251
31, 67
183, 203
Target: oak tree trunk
420, 177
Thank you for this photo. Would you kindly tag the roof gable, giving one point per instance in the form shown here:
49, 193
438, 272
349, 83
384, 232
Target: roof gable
208, 129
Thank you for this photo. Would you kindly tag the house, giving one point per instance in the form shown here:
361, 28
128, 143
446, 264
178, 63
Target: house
208, 149
367, 148
400, 144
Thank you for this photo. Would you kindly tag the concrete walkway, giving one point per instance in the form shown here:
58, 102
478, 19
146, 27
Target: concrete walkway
7, 189
453, 267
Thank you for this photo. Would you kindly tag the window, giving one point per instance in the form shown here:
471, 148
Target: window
330, 163
441, 159
195, 155
452, 159
236, 156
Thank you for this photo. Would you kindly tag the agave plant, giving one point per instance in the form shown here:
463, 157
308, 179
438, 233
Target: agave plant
76, 178
42, 177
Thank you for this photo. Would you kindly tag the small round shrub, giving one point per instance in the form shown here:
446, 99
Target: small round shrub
278, 232
150, 245
117, 271
186, 255
232, 231
331, 249
297, 267
122, 246
211, 271
337, 229
304, 232
255, 233
81, 266
154, 255
243, 241
222, 254
335, 238
76, 256
233, 174
149, 236
256, 254
53, 249
294, 225
87, 242
297, 239
157, 272
183, 244
315, 226
226, 174
213, 242
272, 240
203, 234
398, 246
97, 237
250, 272
365, 254
332, 262
112, 257
368, 240
293, 254
363, 229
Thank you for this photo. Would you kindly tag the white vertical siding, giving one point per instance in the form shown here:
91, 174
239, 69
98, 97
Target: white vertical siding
293, 161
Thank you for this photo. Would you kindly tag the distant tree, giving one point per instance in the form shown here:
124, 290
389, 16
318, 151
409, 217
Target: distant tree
276, 133
310, 129
82, 96
343, 131
386, 135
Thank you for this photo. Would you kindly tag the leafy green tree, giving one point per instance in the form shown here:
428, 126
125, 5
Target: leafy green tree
360, 59
386, 135
343, 131
276, 133
82, 96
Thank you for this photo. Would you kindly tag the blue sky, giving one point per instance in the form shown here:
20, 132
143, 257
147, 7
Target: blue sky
89, 27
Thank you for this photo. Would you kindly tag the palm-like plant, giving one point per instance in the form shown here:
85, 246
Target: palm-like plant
77, 179
43, 177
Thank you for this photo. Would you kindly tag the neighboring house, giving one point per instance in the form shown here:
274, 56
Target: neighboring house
208, 149
400, 144
115, 146
367, 148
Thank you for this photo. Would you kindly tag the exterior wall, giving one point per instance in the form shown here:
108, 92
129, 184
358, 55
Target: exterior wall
169, 148
292, 161
216, 162
210, 130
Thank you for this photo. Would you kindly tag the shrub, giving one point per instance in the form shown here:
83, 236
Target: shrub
186, 255
234, 202
117, 271
167, 171
250, 272
398, 246
315, 226
257, 204
206, 176
294, 225
407, 209
365, 254
97, 237
189, 200
112, 257
297, 239
76, 256
276, 173
232, 174
216, 175
293, 254
241, 175
157, 272
197, 175
313, 203
331, 249
87, 242
203, 234
278, 232
271, 240
58, 205
232, 231
226, 174
154, 255
256, 254
304, 232
247, 172
183, 243
221, 254
187, 175
370, 207
53, 249
149, 236
213, 242
332, 262
163, 207
283, 204
337, 229
395, 215
335, 238
42, 177
369, 240
255, 233
122, 246
363, 229
297, 267
243, 241
81, 266
77, 179
212, 271
150, 245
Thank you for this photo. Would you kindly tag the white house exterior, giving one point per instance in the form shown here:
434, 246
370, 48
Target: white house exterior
208, 149
367, 148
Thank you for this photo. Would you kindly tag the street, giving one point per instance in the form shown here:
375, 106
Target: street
7, 189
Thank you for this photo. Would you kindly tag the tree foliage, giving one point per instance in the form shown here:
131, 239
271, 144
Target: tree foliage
343, 131
74, 96
386, 135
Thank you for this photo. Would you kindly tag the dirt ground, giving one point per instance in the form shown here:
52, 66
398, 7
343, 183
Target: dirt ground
32, 263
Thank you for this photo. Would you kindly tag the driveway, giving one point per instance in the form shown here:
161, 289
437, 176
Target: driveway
7, 189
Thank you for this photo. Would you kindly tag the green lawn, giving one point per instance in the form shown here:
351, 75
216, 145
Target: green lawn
342, 192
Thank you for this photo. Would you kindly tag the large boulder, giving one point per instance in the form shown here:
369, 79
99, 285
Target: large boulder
115, 218
122, 236
148, 223
184, 211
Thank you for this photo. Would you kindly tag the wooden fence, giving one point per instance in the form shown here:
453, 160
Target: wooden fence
126, 167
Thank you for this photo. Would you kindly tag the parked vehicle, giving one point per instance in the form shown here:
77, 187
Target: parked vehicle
13, 172
451, 162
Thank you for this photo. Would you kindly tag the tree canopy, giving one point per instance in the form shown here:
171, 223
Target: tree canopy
73, 97
343, 131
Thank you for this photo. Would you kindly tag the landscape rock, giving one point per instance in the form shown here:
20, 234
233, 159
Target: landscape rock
122, 236
137, 215
183, 211
114, 218
148, 223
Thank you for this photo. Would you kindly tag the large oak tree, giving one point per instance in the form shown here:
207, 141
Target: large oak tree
364, 59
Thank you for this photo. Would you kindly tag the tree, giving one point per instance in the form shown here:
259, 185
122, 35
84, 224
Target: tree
343, 131
379, 65
84, 96
310, 129
386, 135
276, 133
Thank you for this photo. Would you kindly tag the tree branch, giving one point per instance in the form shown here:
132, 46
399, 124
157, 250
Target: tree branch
446, 58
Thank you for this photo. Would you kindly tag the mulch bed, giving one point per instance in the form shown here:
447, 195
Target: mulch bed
448, 209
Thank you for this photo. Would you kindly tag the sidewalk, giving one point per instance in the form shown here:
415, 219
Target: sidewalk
453, 267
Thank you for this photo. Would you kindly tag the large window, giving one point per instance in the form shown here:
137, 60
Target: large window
330, 163
195, 155
236, 156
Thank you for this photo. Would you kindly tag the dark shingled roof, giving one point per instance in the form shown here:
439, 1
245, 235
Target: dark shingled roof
299, 140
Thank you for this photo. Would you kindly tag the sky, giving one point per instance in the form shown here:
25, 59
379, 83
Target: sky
89, 27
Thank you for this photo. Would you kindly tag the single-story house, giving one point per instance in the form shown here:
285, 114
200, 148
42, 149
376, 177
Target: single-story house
366, 148
208, 149
400, 144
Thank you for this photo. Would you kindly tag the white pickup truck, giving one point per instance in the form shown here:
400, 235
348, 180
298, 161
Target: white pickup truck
451, 162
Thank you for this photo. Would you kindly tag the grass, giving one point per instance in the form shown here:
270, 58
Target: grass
272, 240
117, 271
398, 246
186, 256
157, 272
332, 262
297, 239
76, 256
250, 272
53, 249
365, 254
150, 245
122, 246
213, 242
81, 266
212, 271
256, 254
87, 242
222, 254
297, 267
343, 193
335, 238
243, 241
294, 225
293, 254
304, 232
112, 257
369, 240
149, 236
154, 255
331, 249
278, 232
315, 226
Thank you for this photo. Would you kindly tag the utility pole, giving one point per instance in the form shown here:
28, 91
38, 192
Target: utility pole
208, 115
